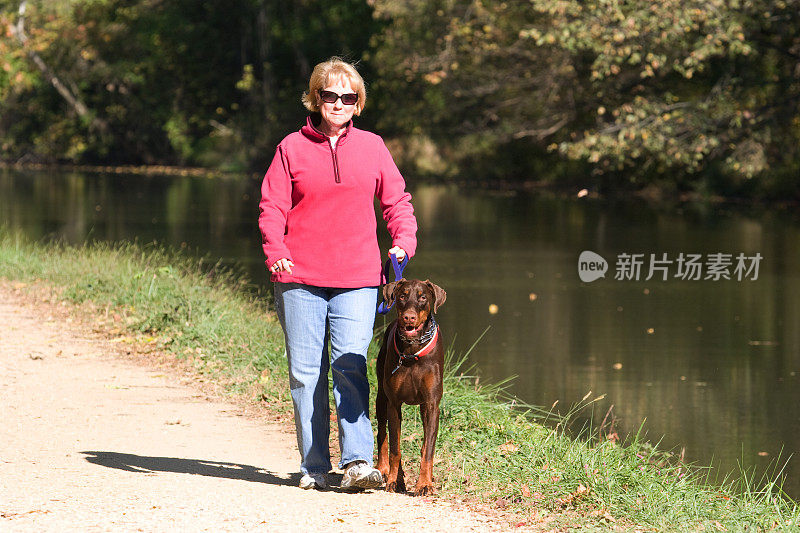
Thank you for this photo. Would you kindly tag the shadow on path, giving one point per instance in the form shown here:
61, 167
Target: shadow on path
143, 464
146, 465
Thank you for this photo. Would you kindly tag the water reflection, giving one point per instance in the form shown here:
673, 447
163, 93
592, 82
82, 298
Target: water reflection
211, 216
714, 366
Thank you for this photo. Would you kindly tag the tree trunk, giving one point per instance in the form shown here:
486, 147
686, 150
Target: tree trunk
71, 98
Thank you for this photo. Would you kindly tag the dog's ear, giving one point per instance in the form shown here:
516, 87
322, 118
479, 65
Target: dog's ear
388, 292
439, 296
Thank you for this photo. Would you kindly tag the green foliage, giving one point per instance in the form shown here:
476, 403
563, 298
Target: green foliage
180, 82
638, 90
693, 93
679, 86
466, 67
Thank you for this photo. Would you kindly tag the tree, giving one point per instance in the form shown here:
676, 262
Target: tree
462, 72
637, 89
681, 86
213, 82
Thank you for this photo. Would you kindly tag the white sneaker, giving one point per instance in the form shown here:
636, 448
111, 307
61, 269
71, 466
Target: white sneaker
359, 475
312, 481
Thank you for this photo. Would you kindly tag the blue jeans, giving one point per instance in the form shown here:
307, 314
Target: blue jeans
312, 317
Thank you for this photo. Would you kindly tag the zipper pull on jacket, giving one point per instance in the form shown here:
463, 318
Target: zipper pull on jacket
313, 133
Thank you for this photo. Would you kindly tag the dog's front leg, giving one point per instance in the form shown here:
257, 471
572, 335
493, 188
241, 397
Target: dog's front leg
429, 412
381, 405
396, 480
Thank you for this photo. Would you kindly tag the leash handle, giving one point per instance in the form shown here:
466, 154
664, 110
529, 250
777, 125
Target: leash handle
398, 268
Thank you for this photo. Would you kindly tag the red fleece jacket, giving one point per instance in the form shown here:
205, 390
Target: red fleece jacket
317, 208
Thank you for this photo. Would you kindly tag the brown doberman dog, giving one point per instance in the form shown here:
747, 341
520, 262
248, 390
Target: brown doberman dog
410, 370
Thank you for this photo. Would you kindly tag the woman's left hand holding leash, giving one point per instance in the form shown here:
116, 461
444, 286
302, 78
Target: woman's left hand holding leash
399, 252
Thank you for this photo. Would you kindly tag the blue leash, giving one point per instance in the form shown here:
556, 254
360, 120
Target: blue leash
398, 274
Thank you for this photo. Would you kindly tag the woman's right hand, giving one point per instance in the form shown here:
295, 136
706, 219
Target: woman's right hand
282, 265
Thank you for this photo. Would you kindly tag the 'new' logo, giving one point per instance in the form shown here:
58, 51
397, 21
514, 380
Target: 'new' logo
591, 266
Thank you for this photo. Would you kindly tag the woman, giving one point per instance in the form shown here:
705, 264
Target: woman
317, 220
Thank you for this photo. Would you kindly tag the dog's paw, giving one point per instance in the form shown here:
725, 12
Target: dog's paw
398, 486
424, 490
384, 472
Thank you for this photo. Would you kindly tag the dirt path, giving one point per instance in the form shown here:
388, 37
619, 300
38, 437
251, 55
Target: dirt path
90, 441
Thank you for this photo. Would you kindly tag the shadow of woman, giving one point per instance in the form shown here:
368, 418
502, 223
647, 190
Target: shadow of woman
147, 465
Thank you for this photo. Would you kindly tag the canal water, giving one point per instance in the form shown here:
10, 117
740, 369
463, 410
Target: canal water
692, 333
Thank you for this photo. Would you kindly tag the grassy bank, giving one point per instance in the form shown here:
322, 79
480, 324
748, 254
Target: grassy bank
491, 451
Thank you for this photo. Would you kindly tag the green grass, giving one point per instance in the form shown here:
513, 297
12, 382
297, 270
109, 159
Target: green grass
189, 307
492, 450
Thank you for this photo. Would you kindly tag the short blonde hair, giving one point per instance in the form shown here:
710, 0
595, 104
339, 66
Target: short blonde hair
331, 71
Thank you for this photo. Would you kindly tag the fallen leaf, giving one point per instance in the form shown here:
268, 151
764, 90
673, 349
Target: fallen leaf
509, 447
602, 514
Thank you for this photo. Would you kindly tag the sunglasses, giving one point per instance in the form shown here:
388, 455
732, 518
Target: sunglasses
330, 97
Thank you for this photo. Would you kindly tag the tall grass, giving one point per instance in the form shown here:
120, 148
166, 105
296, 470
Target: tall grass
492, 449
